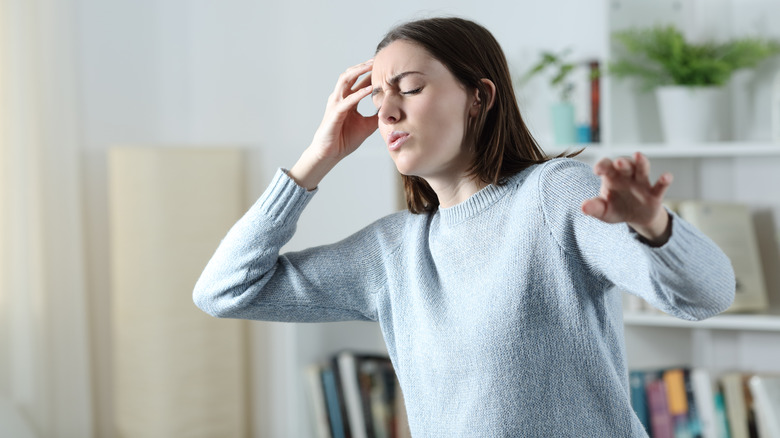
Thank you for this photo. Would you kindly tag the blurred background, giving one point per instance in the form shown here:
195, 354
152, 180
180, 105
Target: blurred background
83, 79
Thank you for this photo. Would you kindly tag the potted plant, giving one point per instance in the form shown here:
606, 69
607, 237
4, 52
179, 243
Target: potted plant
562, 111
688, 78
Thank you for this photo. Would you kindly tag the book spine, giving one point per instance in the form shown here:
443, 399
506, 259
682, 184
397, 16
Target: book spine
348, 373
595, 102
724, 428
339, 388
704, 400
660, 419
636, 381
694, 421
314, 374
334, 405
674, 381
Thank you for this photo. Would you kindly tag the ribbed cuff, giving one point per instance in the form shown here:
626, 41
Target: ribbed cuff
284, 200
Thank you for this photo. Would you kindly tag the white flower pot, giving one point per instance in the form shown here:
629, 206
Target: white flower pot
690, 114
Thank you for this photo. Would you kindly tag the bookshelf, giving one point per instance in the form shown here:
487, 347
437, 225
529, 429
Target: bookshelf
741, 169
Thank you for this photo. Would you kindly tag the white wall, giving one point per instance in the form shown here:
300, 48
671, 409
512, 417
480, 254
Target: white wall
257, 74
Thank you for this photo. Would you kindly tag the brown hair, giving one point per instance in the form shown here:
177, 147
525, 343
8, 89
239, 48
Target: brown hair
503, 144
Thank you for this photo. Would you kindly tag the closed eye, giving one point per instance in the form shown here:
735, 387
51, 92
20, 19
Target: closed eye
415, 91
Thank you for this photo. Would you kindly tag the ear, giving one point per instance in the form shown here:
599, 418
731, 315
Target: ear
491, 97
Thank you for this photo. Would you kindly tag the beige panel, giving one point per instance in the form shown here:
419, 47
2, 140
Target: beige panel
177, 371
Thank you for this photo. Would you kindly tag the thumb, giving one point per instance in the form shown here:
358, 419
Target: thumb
595, 207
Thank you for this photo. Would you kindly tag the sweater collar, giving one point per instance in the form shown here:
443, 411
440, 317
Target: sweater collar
478, 202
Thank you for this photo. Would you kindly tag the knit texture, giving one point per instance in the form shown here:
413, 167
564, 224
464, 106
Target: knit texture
502, 315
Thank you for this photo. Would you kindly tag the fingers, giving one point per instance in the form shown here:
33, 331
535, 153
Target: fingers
663, 183
637, 167
353, 99
620, 167
603, 167
624, 167
642, 167
350, 76
364, 82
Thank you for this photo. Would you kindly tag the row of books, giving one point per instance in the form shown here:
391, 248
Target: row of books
356, 395
691, 403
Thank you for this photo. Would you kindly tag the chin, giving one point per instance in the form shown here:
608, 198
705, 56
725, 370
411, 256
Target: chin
404, 168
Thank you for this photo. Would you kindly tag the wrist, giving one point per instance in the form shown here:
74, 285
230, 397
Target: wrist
658, 231
310, 169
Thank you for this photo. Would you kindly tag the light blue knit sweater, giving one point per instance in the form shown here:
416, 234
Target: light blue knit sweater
499, 313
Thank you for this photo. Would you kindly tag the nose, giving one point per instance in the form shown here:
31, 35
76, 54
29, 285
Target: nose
390, 111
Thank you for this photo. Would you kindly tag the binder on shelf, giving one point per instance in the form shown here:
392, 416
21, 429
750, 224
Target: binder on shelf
731, 227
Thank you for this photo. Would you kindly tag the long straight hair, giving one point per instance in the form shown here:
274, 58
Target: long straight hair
498, 136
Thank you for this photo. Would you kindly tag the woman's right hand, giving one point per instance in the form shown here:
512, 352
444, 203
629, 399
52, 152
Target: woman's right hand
343, 128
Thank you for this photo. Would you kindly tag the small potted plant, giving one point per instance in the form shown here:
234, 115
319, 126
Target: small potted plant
688, 78
562, 111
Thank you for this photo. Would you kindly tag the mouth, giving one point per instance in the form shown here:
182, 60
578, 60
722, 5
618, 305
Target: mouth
396, 139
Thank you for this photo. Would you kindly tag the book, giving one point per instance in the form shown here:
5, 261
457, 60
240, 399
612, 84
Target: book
720, 414
766, 397
661, 423
587, 101
348, 375
737, 406
677, 401
333, 403
595, 101
704, 397
731, 227
636, 382
315, 385
694, 428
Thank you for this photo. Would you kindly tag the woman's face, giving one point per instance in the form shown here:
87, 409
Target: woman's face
423, 111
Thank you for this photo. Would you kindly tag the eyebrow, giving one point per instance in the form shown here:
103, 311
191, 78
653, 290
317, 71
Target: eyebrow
395, 79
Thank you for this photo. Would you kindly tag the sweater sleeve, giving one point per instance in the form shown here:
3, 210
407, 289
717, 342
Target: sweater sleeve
688, 277
247, 278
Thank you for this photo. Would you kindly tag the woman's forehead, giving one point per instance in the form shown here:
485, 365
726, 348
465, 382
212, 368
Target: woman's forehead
401, 57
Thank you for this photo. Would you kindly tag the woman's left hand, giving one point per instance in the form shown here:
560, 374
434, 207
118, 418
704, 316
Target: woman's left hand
627, 195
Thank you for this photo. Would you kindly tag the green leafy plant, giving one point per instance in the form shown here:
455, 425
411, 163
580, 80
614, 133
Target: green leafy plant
561, 78
661, 56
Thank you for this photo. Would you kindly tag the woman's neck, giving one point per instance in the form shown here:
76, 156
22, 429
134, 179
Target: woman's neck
453, 191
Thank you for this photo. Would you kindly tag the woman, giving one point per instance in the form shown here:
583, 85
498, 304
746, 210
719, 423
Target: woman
495, 292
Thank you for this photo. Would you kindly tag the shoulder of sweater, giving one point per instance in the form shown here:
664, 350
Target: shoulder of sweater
562, 167
564, 175
390, 230
553, 176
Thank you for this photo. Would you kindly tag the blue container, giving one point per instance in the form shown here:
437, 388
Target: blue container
583, 134
563, 123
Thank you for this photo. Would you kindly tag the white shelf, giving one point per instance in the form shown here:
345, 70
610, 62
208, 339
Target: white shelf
751, 322
663, 150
